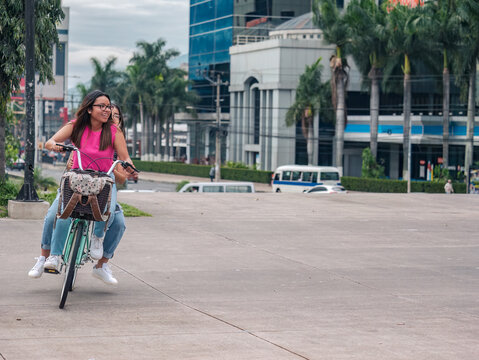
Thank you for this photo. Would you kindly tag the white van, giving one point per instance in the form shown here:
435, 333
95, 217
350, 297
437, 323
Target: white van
219, 187
299, 178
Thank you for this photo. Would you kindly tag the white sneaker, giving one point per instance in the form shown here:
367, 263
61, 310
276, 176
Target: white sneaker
96, 247
37, 269
52, 262
104, 273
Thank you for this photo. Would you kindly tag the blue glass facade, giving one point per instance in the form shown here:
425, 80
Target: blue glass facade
211, 35
213, 27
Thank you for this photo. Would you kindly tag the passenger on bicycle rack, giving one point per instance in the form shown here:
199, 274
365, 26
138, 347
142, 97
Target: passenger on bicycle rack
97, 137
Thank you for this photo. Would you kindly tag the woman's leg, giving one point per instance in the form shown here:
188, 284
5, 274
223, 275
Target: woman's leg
99, 229
60, 235
113, 236
48, 227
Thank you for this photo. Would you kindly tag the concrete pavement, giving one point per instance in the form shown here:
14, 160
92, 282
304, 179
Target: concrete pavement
259, 276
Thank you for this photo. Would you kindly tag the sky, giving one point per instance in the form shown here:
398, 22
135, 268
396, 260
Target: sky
103, 28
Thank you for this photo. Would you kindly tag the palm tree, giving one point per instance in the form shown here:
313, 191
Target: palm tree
408, 41
445, 31
335, 30
465, 68
152, 62
367, 22
310, 97
105, 77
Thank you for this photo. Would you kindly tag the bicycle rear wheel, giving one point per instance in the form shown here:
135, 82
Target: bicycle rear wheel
71, 266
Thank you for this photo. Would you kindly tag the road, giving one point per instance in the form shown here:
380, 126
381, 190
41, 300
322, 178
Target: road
259, 276
56, 172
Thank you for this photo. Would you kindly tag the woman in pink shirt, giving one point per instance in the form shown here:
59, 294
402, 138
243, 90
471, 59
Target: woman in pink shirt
94, 133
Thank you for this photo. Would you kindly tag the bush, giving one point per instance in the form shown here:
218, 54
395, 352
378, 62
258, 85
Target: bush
396, 186
370, 168
203, 171
8, 191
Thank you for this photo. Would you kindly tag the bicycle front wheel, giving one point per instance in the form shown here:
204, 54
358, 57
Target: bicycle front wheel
71, 266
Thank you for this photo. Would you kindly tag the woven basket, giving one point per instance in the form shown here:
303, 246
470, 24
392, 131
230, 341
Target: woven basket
85, 212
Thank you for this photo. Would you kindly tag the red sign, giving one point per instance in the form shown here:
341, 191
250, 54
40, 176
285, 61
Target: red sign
256, 22
410, 3
440, 160
422, 162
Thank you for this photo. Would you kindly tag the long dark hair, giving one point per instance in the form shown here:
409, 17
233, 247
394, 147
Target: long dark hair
121, 122
83, 120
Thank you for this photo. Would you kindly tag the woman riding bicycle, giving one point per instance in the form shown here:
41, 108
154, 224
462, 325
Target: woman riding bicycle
98, 138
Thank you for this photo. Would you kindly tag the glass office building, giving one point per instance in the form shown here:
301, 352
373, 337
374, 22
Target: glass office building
214, 26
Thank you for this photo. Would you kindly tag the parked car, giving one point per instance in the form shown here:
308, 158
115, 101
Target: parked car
326, 189
219, 187
19, 164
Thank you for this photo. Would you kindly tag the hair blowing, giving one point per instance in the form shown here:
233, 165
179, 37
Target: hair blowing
83, 120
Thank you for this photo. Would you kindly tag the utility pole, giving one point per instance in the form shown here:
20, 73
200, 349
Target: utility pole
27, 192
218, 84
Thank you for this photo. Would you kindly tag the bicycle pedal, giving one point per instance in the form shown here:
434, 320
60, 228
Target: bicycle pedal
51, 271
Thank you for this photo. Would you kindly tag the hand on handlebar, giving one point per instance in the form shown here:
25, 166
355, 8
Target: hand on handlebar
131, 170
62, 147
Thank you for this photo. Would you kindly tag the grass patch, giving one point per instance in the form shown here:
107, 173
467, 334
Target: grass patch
131, 211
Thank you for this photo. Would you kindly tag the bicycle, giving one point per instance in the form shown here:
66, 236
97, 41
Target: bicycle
76, 251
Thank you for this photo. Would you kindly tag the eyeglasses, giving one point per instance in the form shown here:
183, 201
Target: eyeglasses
103, 107
116, 116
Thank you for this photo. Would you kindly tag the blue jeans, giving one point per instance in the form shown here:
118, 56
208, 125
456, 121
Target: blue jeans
54, 239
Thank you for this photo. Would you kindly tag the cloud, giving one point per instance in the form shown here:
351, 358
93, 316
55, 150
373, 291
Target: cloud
113, 27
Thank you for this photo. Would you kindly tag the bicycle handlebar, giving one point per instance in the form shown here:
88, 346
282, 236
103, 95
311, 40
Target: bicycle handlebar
125, 164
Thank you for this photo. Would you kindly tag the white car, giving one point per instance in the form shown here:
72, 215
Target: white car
326, 189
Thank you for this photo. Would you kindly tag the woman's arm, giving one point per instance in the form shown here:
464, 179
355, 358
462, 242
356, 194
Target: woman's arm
60, 137
122, 151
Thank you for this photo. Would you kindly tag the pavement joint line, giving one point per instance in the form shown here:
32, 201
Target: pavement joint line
210, 315
4, 358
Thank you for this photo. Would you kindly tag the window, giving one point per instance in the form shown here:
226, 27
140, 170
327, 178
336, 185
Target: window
307, 176
318, 189
238, 189
329, 176
286, 15
60, 59
257, 103
213, 188
286, 175
276, 176
296, 175
315, 177
192, 189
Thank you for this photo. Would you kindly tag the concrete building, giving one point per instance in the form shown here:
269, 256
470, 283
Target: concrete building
264, 77
215, 25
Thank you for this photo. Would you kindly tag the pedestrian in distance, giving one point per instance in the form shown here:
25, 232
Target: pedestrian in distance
448, 187
212, 173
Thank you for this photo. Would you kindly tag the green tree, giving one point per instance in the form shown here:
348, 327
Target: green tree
367, 22
105, 77
12, 144
12, 51
151, 60
331, 21
311, 96
407, 41
466, 68
370, 167
445, 31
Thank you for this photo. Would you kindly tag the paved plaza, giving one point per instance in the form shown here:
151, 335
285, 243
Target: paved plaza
259, 276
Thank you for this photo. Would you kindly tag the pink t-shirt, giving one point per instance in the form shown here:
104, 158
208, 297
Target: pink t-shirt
91, 155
